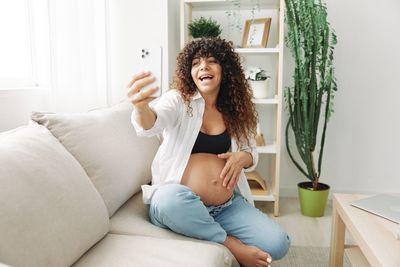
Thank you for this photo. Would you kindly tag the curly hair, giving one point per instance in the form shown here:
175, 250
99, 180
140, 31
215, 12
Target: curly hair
234, 98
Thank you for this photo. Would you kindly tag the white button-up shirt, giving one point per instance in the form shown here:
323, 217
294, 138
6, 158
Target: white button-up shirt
179, 131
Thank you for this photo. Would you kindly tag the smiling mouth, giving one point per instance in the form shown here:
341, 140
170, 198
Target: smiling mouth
205, 77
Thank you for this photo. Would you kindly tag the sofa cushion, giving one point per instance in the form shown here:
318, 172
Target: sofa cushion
133, 219
125, 250
105, 143
50, 212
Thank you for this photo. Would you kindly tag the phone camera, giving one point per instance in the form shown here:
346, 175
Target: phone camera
144, 53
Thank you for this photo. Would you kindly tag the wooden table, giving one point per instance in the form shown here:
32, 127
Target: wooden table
377, 245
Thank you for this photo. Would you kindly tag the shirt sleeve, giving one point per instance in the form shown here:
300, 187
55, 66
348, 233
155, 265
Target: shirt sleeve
251, 148
168, 109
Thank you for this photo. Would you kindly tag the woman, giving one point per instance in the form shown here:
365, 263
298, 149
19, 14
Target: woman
208, 123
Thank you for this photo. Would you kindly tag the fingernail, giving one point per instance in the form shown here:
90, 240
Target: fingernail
228, 187
269, 260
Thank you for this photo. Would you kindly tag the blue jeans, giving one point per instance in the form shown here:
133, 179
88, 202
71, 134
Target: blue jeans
178, 208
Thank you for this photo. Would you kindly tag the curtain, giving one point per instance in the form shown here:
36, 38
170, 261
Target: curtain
78, 54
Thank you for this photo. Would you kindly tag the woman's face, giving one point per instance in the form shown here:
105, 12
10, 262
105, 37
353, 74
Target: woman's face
207, 74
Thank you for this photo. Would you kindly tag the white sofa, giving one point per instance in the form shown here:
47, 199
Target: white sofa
70, 195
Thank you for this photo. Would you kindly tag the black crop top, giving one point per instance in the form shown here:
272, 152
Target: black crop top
214, 144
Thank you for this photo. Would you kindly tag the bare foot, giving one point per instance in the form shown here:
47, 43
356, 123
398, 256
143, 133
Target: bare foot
247, 256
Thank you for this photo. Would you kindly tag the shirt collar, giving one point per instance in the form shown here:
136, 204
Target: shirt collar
197, 95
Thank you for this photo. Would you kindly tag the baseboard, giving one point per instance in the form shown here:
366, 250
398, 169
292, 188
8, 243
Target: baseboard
292, 192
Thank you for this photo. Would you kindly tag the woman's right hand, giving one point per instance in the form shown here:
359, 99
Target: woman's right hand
141, 99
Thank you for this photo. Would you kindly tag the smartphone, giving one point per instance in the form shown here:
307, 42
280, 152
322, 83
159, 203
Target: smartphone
150, 59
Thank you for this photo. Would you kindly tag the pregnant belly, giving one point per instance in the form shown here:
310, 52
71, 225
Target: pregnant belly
202, 176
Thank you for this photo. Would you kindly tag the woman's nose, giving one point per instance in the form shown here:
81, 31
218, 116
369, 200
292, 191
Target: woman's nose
203, 65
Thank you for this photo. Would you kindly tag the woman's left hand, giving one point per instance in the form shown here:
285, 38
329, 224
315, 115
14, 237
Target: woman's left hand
235, 162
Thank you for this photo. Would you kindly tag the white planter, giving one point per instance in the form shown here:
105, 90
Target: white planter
260, 88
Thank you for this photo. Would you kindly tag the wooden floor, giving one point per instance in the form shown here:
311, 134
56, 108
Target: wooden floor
304, 231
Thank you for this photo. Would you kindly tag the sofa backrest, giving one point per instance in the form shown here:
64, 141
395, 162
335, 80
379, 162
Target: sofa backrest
106, 145
50, 212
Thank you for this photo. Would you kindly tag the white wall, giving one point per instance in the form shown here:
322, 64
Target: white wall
16, 104
69, 51
363, 135
173, 35
92, 55
15, 107
362, 145
136, 24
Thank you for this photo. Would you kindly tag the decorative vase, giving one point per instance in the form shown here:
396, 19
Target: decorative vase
313, 202
260, 141
260, 88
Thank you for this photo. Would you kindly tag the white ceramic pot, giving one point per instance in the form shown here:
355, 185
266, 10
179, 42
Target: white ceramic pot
260, 88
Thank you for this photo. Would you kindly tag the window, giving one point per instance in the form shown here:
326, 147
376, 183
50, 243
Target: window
24, 45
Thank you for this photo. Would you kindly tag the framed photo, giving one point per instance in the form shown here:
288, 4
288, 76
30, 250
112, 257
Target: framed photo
256, 32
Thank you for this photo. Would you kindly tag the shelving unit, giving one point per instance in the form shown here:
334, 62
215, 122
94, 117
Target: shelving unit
256, 50
268, 107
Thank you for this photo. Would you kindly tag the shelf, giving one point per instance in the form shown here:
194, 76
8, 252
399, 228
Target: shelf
273, 54
267, 101
256, 191
226, 4
257, 50
268, 149
263, 198
356, 257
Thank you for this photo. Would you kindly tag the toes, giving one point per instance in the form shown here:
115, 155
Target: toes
262, 264
264, 259
269, 258
263, 256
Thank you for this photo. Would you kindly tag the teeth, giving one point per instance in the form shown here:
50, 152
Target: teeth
205, 77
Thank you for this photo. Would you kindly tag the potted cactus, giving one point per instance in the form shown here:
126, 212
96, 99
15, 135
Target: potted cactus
309, 101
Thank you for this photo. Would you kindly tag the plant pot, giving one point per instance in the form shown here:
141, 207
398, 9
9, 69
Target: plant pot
260, 88
313, 202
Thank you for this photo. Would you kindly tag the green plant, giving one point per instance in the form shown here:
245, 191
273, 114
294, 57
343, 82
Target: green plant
235, 22
234, 16
311, 41
203, 27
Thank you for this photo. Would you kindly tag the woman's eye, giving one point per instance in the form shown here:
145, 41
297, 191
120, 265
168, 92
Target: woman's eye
194, 63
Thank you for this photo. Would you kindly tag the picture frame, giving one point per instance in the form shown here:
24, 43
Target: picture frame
256, 32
